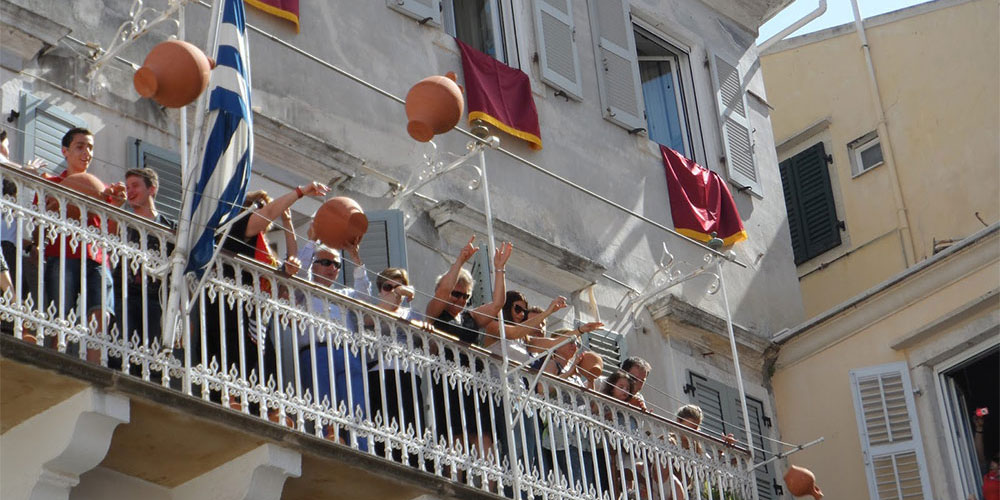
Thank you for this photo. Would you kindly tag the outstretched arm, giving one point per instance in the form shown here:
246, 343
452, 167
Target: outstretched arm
264, 215
488, 312
447, 283
529, 327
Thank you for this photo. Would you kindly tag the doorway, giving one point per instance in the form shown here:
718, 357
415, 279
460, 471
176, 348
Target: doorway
972, 405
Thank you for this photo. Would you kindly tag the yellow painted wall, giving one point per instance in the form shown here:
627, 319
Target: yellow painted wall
813, 394
939, 79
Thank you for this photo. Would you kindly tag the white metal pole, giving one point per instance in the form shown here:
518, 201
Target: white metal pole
736, 366
493, 141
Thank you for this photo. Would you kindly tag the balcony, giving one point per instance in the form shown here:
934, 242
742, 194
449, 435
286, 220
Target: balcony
475, 427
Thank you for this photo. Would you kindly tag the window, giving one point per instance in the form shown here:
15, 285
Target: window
812, 212
866, 153
44, 125
167, 166
477, 23
890, 435
662, 92
722, 414
384, 245
610, 345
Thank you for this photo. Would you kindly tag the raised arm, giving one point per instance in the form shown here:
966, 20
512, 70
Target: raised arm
488, 312
264, 215
447, 283
529, 327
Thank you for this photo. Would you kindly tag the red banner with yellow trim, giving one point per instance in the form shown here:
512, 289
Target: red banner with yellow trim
500, 95
285, 9
700, 201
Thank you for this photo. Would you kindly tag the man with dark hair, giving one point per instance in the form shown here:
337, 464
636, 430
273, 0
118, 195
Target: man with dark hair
77, 149
638, 369
140, 192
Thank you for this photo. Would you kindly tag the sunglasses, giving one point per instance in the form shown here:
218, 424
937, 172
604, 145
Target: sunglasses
388, 287
520, 310
327, 262
459, 295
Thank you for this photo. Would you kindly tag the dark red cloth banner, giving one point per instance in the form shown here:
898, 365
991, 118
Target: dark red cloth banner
499, 95
285, 9
700, 201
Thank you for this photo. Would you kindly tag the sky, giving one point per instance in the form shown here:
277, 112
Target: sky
837, 12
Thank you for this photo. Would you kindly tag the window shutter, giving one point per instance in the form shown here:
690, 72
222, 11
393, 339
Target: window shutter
708, 395
384, 245
890, 434
44, 125
167, 165
812, 212
482, 278
617, 65
611, 346
425, 11
556, 38
736, 132
765, 473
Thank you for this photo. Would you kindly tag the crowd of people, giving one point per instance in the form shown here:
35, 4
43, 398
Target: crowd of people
377, 386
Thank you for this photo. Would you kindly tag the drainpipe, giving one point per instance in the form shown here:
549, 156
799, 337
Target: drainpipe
902, 220
820, 9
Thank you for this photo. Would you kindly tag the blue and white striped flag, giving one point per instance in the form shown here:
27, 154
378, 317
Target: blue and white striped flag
220, 180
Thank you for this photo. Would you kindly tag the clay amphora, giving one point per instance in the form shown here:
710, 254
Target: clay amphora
434, 106
85, 183
174, 74
801, 482
340, 222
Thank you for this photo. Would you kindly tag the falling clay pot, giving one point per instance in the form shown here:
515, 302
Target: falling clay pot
801, 482
84, 183
174, 74
340, 223
434, 106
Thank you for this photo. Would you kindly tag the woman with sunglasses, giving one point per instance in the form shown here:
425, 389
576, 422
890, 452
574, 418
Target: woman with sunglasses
447, 310
391, 384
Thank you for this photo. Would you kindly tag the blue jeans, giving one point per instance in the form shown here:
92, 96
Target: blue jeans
354, 369
98, 277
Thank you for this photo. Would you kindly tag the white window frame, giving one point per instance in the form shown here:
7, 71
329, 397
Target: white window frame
448, 21
860, 145
679, 97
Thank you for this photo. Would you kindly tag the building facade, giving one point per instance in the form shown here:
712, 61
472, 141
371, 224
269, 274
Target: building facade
588, 214
894, 226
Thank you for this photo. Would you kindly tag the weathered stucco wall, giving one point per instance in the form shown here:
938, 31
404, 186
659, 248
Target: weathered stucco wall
937, 66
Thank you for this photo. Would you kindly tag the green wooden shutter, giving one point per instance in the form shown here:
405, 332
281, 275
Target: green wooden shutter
482, 278
812, 212
44, 125
167, 165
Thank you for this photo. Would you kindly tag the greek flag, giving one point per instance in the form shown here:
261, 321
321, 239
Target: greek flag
220, 180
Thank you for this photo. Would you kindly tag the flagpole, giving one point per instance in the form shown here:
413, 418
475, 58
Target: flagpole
178, 258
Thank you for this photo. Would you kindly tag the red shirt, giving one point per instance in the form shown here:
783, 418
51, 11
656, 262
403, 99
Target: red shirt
991, 485
94, 253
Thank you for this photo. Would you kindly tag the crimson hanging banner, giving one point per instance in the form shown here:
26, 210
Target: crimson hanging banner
500, 95
285, 9
700, 201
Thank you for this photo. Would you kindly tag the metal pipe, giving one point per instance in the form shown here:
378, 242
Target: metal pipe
909, 254
779, 36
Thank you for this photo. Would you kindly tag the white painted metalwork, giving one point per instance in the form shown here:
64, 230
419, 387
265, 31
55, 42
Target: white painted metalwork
553, 439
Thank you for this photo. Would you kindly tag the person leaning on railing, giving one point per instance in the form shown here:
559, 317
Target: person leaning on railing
447, 311
77, 149
390, 379
246, 237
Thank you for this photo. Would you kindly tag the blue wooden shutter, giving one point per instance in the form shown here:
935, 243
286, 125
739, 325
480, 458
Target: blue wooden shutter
167, 165
44, 124
812, 212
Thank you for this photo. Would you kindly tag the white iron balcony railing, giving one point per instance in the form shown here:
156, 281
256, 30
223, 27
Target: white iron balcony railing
385, 387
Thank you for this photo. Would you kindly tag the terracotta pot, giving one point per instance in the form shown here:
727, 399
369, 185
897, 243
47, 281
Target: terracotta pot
590, 365
174, 74
801, 482
84, 183
434, 105
340, 222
